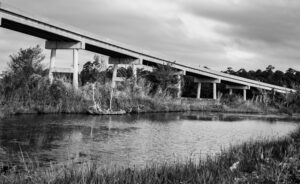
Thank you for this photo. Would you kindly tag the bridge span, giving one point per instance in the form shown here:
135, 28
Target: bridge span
59, 36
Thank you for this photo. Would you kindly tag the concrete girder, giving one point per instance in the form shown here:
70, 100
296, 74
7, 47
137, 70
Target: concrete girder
103, 48
164, 62
25, 25
237, 87
198, 80
64, 45
117, 61
148, 68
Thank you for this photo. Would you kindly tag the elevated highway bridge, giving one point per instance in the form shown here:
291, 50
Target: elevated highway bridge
59, 36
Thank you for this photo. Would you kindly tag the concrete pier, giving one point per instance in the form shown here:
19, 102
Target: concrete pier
63, 45
114, 76
244, 94
75, 68
214, 82
52, 64
244, 88
179, 77
199, 91
214, 91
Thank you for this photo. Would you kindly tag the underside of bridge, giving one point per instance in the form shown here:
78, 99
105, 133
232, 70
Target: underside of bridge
30, 30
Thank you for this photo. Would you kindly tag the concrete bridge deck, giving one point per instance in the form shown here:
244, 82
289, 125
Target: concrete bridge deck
59, 36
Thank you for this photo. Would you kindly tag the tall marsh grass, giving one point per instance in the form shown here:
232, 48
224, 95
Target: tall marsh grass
60, 97
39, 96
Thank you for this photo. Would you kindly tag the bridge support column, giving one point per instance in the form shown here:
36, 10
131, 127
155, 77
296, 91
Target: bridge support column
52, 63
75, 46
179, 86
214, 91
244, 94
134, 71
75, 68
213, 81
114, 76
134, 74
244, 88
199, 90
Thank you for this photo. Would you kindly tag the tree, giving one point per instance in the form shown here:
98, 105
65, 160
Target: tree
163, 77
230, 71
93, 70
270, 68
26, 62
21, 67
25, 69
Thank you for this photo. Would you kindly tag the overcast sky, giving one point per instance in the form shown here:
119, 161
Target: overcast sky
248, 34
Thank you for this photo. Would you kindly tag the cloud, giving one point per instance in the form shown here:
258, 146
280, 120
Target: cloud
265, 29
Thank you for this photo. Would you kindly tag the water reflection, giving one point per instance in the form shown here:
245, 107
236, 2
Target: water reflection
131, 139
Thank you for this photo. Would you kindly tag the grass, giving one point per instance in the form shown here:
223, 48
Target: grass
59, 97
253, 162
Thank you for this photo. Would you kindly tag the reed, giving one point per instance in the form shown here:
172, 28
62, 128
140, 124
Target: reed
59, 97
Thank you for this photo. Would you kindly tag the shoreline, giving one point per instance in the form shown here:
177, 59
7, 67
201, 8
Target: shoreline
25, 111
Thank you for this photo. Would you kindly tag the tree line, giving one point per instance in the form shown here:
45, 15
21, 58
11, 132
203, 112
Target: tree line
290, 78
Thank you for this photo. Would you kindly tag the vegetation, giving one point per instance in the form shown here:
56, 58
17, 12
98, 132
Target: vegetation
25, 88
289, 79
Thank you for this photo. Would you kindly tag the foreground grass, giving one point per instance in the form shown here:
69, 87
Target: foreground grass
254, 162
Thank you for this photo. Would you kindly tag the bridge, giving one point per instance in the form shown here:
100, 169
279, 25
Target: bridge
59, 36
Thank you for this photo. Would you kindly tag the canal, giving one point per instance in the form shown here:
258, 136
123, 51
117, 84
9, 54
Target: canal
131, 140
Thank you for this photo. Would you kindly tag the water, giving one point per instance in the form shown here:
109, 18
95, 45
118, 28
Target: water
131, 140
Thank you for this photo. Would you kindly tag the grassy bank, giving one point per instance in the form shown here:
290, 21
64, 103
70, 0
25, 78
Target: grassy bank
254, 162
60, 97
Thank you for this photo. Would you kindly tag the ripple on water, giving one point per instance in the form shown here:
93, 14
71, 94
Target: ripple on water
133, 140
